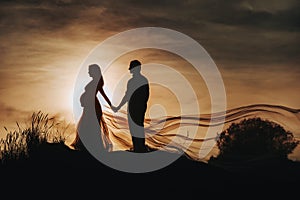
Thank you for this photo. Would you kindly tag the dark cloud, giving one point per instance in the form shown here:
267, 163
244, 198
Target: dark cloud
30, 19
231, 30
262, 14
232, 14
174, 14
10, 116
8, 111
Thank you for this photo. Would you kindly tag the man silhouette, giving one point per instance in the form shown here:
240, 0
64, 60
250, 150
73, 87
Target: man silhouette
136, 96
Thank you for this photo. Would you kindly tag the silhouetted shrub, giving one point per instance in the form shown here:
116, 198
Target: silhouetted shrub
21, 143
255, 137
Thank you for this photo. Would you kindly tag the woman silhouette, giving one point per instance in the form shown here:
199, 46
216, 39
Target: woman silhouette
91, 106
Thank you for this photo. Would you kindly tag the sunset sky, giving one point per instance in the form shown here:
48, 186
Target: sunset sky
255, 45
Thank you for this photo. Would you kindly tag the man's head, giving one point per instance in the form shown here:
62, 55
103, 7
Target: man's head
135, 66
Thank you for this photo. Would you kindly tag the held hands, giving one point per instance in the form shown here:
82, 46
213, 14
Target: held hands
114, 108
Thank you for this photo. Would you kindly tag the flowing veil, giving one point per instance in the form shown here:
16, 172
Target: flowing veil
160, 132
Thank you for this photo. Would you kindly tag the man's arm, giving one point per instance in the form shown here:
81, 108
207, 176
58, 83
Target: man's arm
123, 101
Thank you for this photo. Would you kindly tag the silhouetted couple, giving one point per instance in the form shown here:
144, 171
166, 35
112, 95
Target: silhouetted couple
136, 97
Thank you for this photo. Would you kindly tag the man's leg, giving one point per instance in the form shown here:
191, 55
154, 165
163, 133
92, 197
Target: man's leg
138, 144
136, 126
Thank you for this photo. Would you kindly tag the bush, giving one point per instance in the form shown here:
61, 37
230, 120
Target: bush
255, 137
21, 143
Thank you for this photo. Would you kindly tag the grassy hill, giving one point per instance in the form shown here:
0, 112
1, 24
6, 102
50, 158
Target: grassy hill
46, 165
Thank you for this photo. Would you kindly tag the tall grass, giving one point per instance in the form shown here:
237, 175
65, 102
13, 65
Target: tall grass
20, 143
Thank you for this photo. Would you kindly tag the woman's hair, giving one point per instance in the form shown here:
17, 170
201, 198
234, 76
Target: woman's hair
95, 71
95, 68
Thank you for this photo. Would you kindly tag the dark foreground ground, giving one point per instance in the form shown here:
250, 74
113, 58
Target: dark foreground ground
57, 171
